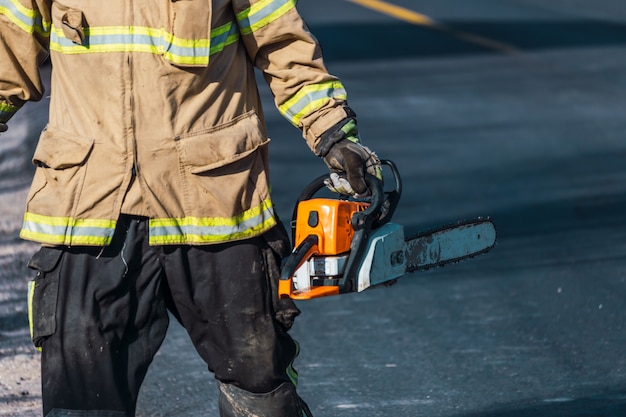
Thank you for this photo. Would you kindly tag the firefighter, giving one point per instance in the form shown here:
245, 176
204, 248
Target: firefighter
151, 190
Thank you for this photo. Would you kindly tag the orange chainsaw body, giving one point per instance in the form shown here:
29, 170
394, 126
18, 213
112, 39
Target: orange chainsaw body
331, 238
329, 221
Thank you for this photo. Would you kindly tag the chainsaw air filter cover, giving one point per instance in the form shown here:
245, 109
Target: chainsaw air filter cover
328, 219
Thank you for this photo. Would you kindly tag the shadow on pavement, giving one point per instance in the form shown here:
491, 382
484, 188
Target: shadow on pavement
403, 40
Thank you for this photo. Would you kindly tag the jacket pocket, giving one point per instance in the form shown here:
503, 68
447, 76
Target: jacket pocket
58, 150
190, 42
61, 168
71, 22
225, 144
43, 293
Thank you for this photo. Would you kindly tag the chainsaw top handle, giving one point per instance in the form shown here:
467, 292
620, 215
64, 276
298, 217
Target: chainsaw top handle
382, 204
360, 219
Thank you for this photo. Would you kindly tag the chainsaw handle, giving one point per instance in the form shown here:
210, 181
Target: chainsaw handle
365, 219
318, 183
360, 219
308, 247
391, 197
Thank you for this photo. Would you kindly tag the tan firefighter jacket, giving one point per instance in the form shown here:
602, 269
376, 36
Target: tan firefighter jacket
154, 111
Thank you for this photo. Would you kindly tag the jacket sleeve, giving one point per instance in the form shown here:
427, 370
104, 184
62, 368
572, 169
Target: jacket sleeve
24, 42
279, 43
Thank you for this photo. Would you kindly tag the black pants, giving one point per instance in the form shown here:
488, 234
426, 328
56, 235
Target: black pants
100, 315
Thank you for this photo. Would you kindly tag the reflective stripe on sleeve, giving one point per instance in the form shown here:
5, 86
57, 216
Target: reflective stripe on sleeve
7, 110
310, 98
223, 36
29, 20
262, 13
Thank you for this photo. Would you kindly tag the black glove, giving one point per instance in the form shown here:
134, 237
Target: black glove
3, 127
347, 159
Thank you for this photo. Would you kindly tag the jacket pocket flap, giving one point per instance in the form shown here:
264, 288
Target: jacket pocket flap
58, 150
46, 259
71, 22
224, 144
73, 28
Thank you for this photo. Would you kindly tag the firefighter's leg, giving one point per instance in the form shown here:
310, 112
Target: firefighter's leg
228, 304
99, 318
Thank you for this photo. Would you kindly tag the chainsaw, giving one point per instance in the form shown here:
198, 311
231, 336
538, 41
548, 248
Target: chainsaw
344, 245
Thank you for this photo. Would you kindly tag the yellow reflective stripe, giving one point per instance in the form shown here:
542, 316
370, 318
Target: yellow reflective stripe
191, 230
134, 39
29, 20
67, 231
262, 13
310, 98
223, 36
292, 374
202, 237
145, 39
31, 295
198, 230
7, 107
7, 110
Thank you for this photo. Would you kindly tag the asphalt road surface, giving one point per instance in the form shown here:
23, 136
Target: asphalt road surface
513, 109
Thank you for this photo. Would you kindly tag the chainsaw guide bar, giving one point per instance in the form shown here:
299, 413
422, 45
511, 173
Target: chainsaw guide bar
449, 244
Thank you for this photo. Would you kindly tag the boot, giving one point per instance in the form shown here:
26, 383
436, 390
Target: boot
282, 402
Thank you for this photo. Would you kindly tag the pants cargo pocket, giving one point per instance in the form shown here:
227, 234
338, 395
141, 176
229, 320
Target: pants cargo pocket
43, 292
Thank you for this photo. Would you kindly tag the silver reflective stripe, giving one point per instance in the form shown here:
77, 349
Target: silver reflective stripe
262, 13
212, 230
67, 231
29, 20
147, 40
310, 98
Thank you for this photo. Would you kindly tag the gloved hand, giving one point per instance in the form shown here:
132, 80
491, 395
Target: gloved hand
347, 159
3, 127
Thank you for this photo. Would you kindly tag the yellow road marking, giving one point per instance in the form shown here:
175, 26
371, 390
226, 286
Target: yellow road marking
396, 11
422, 20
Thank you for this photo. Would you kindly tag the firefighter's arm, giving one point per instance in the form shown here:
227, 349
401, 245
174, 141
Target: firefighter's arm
279, 43
24, 42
